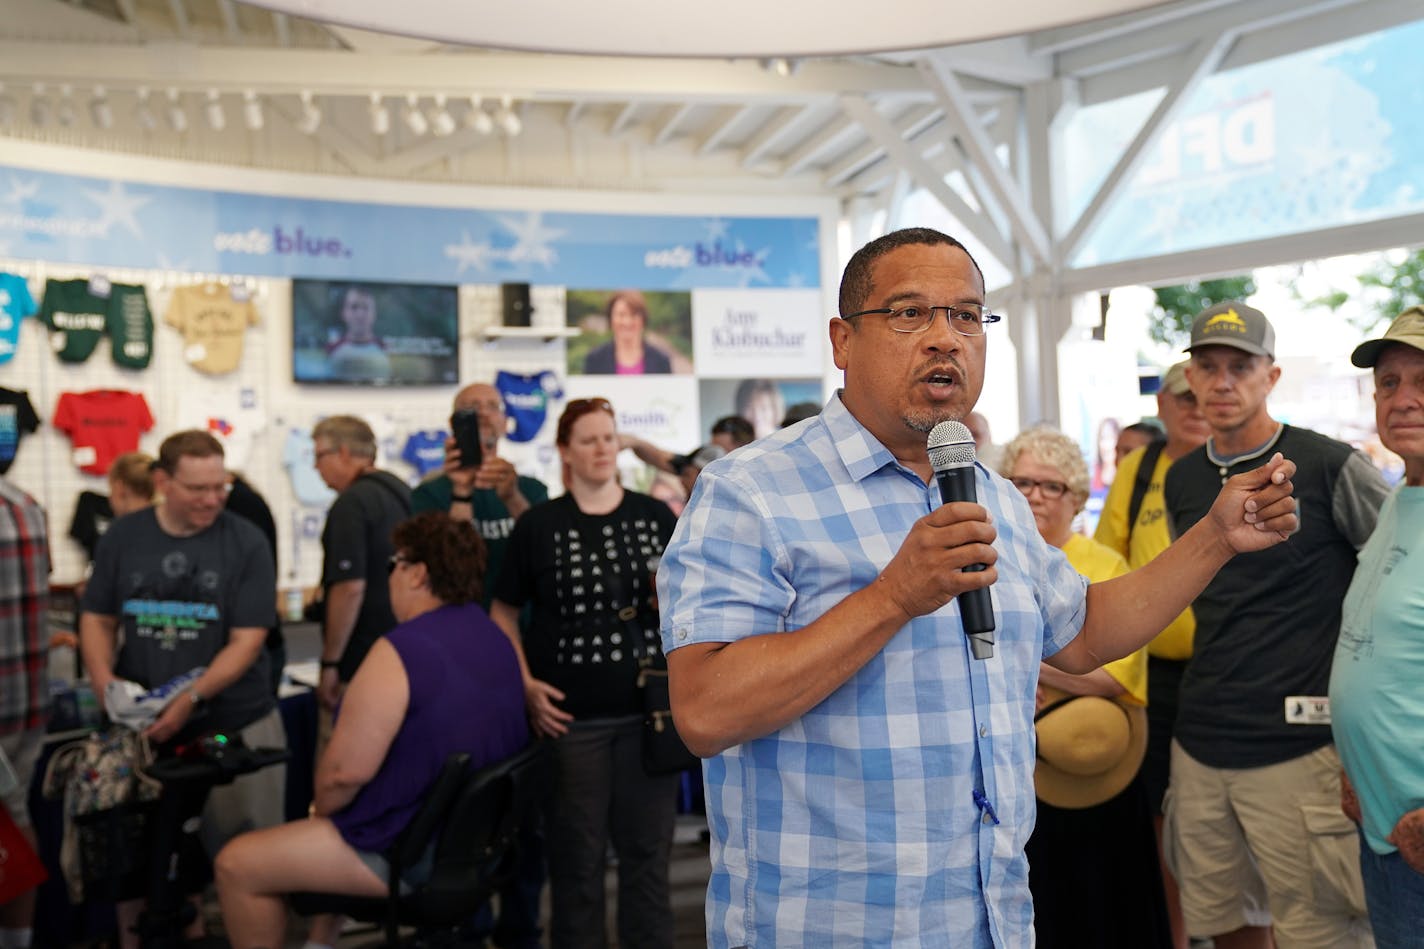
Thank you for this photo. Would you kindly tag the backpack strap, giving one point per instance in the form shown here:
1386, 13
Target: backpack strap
1150, 454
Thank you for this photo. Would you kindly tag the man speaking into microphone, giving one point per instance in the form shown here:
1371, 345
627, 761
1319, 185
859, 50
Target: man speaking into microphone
868, 781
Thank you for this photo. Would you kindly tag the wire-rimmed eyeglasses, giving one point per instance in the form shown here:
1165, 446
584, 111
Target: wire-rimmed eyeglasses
967, 319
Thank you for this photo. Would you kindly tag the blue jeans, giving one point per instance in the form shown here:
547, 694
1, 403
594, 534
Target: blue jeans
1394, 892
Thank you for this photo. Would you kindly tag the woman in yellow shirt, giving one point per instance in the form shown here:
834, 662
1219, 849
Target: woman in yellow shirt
1092, 857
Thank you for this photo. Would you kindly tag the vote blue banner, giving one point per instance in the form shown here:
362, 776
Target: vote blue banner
106, 222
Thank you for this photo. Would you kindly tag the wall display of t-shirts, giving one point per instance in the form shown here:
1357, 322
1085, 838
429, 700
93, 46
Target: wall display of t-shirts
92, 516
232, 415
526, 401
17, 419
77, 314
102, 425
213, 319
16, 303
425, 451
130, 326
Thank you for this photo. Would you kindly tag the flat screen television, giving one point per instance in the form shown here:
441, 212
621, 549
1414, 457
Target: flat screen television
348, 332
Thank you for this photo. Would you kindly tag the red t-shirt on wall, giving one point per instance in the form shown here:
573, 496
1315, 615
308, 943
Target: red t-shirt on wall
102, 425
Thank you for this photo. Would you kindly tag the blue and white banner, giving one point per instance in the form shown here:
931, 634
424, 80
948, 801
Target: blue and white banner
1321, 138
106, 222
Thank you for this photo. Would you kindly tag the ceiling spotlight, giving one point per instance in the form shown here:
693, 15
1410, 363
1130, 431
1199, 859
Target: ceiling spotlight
8, 107
507, 118
310, 119
380, 115
415, 119
64, 111
100, 112
39, 105
783, 67
217, 118
252, 111
143, 112
177, 117
441, 122
477, 118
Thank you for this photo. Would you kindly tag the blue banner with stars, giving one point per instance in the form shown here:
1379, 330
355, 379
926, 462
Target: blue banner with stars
113, 223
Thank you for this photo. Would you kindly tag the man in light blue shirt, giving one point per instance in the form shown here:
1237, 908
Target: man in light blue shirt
868, 782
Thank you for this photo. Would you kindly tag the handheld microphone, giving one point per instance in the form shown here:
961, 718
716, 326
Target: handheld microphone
951, 449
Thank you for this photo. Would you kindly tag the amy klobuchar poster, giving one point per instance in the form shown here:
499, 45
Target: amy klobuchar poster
630, 332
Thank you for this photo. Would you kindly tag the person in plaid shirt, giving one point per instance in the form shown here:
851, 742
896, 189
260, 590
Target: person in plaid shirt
24, 644
868, 783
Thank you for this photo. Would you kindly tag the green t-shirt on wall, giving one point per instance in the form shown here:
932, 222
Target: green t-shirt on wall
76, 317
130, 324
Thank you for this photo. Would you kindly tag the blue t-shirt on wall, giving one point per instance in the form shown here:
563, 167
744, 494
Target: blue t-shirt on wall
15, 304
425, 450
526, 401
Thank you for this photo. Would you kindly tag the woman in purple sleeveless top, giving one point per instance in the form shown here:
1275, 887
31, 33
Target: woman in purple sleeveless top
445, 680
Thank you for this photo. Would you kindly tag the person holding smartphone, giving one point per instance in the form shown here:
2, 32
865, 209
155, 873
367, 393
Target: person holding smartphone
484, 489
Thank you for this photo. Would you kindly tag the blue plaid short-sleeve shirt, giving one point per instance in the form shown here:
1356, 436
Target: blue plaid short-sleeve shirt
867, 821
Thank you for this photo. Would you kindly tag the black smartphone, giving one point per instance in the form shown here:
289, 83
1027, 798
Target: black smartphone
465, 426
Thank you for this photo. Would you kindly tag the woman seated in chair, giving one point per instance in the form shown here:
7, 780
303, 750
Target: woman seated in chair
445, 680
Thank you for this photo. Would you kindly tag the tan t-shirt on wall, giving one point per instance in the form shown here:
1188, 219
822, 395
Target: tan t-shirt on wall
212, 324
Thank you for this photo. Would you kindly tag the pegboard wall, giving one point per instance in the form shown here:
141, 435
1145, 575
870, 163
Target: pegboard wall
259, 393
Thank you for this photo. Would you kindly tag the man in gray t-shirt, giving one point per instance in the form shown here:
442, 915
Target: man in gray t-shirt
191, 585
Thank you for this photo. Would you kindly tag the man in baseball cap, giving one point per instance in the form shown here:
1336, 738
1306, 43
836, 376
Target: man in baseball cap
1374, 683
1248, 756
1237, 325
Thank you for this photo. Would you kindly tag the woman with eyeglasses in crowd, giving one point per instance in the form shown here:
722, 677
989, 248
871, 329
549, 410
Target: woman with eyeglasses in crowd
442, 681
1092, 869
585, 562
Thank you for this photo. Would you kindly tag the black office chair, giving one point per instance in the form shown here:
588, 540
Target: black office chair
474, 819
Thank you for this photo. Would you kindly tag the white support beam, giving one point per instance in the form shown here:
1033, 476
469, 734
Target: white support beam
834, 135
1064, 38
1309, 31
781, 123
126, 10
232, 27
574, 113
527, 76
861, 110
908, 127
1202, 62
1155, 42
980, 150
895, 204
624, 118
1406, 231
668, 127
730, 118
181, 24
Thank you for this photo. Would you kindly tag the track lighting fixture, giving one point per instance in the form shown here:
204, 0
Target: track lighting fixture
217, 117
64, 109
177, 115
415, 119
507, 118
477, 118
310, 119
442, 123
143, 112
101, 113
252, 111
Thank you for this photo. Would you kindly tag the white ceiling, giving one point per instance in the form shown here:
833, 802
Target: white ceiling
864, 128
725, 28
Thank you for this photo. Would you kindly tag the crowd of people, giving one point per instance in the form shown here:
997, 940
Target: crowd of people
1202, 722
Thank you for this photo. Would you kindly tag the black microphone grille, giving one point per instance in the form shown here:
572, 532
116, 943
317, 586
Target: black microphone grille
950, 445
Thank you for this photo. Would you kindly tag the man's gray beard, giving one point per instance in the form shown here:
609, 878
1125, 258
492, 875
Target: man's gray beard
924, 422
